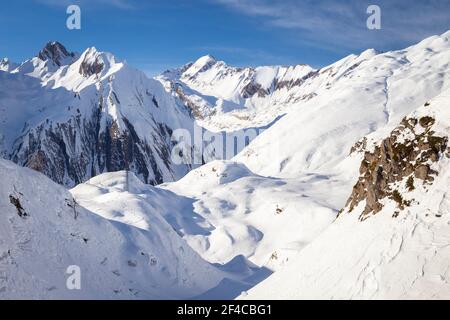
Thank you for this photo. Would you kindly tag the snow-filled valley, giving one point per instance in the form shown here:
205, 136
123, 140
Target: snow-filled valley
277, 218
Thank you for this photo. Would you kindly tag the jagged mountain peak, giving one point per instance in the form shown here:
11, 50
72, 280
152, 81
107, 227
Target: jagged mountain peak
7, 65
206, 59
93, 51
57, 53
4, 64
201, 65
95, 62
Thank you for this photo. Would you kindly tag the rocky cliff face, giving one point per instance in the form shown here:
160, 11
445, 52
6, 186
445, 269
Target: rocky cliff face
400, 163
74, 151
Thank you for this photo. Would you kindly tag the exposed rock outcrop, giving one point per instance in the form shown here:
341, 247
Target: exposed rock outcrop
405, 157
91, 66
253, 88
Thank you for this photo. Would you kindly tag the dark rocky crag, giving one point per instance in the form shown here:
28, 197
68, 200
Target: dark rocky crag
55, 52
405, 157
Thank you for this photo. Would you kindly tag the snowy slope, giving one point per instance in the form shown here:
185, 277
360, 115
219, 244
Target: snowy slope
313, 117
356, 96
43, 232
222, 210
399, 249
240, 213
122, 197
301, 163
23, 99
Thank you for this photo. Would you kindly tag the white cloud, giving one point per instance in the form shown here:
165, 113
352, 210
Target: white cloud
343, 23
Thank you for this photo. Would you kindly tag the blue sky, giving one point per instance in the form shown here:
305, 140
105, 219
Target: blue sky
154, 35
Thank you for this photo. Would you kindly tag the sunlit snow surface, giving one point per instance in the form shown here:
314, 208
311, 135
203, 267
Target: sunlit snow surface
407, 257
117, 260
227, 225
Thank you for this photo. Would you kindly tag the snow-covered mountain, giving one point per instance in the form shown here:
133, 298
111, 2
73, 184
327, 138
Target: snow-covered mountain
392, 239
91, 113
354, 97
274, 207
75, 116
44, 230
305, 165
241, 213
227, 98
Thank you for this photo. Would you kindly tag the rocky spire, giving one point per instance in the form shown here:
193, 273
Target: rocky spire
57, 53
